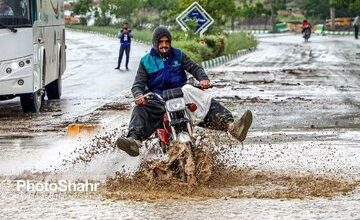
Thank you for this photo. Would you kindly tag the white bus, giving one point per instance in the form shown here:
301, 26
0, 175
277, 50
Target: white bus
32, 51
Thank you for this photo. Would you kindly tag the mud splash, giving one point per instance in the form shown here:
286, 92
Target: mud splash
183, 165
226, 183
100, 144
115, 106
155, 181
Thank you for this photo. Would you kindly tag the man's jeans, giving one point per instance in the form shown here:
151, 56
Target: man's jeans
121, 53
356, 27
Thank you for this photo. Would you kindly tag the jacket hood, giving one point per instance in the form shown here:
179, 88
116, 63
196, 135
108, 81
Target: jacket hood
158, 33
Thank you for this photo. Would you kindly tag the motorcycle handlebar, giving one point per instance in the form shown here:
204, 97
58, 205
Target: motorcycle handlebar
152, 95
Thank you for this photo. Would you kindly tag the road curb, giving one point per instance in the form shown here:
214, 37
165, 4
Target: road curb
253, 32
338, 33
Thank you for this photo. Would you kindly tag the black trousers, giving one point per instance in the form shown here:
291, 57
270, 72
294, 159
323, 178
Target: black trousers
121, 53
145, 119
356, 29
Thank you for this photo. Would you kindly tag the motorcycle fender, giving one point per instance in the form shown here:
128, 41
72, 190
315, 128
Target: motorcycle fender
163, 135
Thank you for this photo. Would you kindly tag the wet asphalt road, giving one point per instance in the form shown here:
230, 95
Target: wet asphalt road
318, 80
305, 100
89, 82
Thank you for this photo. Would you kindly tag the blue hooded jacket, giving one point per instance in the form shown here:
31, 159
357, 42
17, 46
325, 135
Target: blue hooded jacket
163, 73
157, 73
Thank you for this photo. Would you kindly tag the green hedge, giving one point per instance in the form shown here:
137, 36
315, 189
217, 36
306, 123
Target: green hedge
195, 50
215, 45
239, 41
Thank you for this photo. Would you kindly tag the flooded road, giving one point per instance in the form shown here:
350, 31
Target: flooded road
85, 208
89, 82
300, 160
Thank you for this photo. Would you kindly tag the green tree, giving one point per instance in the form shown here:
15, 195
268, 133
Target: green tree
161, 5
124, 8
260, 9
102, 14
355, 7
165, 8
320, 8
249, 10
81, 7
219, 10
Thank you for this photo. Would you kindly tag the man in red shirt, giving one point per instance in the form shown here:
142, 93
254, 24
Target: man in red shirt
305, 25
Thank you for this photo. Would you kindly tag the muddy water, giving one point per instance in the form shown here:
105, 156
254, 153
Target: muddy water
300, 160
227, 183
230, 195
227, 178
297, 180
83, 207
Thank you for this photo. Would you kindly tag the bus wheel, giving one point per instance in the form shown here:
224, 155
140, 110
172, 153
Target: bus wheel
53, 89
31, 102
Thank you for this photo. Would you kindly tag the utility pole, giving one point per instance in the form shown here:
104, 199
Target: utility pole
332, 15
272, 18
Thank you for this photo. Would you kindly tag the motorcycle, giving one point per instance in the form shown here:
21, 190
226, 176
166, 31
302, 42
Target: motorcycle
187, 162
306, 34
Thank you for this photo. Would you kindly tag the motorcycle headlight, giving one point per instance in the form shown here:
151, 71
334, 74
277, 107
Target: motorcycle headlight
174, 105
184, 137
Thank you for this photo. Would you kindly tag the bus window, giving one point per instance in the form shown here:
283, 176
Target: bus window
15, 13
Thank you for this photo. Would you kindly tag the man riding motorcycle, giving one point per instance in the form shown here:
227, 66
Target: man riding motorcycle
164, 68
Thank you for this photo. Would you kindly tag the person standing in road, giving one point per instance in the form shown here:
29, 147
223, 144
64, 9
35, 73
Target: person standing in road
305, 25
356, 25
125, 42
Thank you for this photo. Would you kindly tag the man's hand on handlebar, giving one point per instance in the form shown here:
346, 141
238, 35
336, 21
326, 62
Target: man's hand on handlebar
205, 84
140, 100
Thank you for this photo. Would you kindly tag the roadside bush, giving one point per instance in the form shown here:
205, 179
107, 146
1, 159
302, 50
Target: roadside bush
238, 41
216, 43
143, 34
102, 21
83, 20
194, 50
179, 35
191, 44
